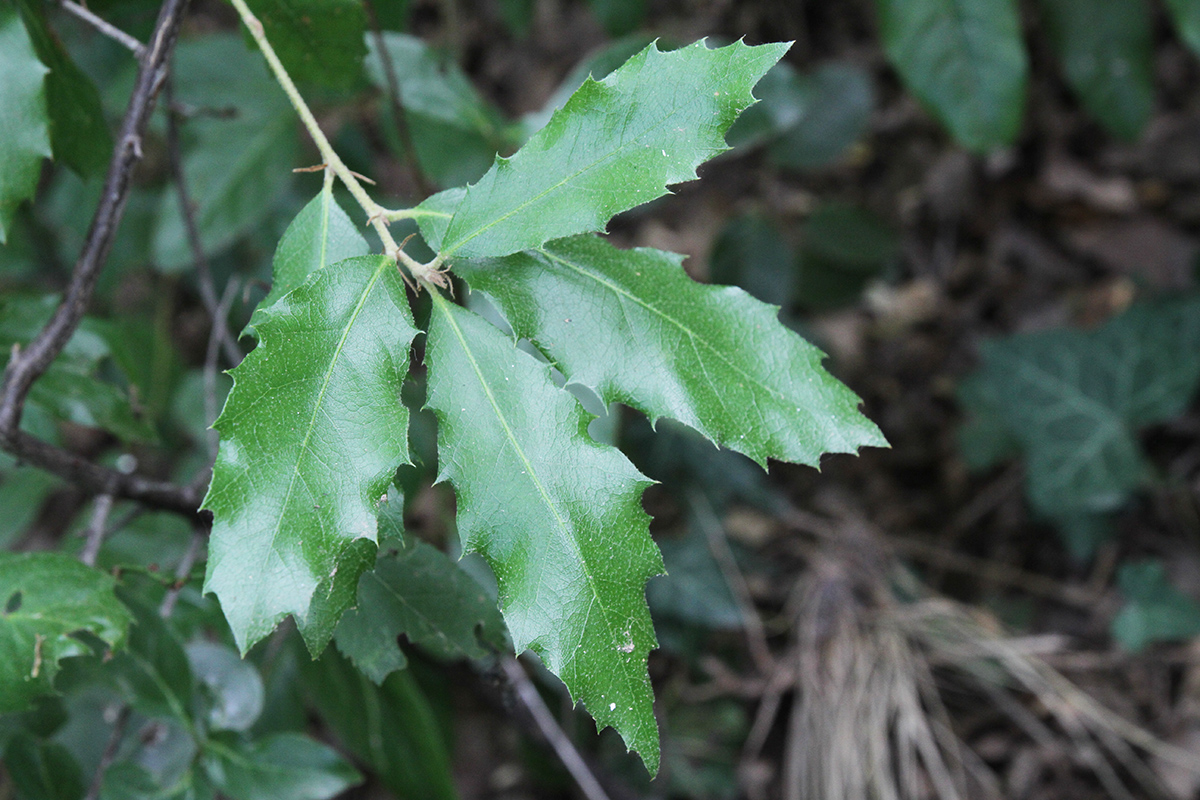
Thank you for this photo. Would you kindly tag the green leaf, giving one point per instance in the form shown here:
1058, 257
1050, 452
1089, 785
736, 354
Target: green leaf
317, 40
283, 765
965, 60
1154, 611
125, 780
321, 234
311, 435
1186, 14
1073, 400
632, 326
1107, 53
24, 127
616, 144
48, 597
556, 515
79, 134
153, 671
416, 591
238, 154
455, 132
42, 770
392, 728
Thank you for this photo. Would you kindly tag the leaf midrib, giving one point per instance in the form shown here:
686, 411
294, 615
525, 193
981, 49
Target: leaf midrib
692, 335
563, 528
383, 263
521, 206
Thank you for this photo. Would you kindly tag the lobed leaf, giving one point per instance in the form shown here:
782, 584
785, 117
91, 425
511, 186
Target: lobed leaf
46, 598
1107, 53
1154, 610
616, 144
311, 434
965, 60
24, 126
556, 515
634, 328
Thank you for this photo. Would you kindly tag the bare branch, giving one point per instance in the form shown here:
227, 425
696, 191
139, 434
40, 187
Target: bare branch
554, 734
108, 29
29, 363
199, 534
397, 102
110, 752
208, 292
101, 508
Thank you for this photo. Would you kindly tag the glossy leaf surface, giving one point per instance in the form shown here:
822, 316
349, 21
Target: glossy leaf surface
24, 126
311, 435
1107, 53
317, 40
416, 591
321, 234
632, 326
79, 135
618, 143
964, 59
47, 597
557, 516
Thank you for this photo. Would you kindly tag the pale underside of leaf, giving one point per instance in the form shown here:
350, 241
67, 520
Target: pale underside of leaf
618, 143
557, 516
312, 434
631, 325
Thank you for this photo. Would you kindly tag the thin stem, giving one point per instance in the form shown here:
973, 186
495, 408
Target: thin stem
210, 369
204, 278
96, 529
182, 572
108, 29
563, 748
375, 212
397, 101
110, 753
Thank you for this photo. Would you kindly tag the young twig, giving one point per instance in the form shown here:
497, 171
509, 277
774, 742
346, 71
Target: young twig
422, 272
101, 508
29, 363
103, 26
566, 752
208, 293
